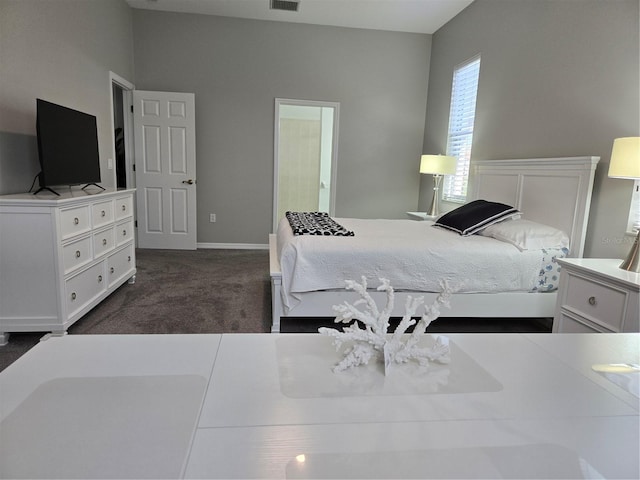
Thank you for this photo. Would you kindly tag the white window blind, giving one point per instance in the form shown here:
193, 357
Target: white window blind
461, 119
633, 224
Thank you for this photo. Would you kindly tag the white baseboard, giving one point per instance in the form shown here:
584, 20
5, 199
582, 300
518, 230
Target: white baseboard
234, 246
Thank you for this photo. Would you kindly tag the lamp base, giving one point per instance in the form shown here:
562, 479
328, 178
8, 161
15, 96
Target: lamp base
434, 209
632, 262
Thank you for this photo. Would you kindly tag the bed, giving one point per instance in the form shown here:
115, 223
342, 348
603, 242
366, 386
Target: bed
552, 191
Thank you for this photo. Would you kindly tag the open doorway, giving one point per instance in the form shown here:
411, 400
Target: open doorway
122, 131
305, 153
118, 132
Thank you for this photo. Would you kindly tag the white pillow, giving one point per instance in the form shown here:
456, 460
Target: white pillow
527, 235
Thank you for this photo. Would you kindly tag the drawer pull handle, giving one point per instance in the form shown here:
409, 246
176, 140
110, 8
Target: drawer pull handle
73, 295
77, 253
592, 300
104, 241
99, 278
111, 270
124, 233
76, 220
103, 213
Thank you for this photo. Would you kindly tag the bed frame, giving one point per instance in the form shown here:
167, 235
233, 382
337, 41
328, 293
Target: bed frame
553, 191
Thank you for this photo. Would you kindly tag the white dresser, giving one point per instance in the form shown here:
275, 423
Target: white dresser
595, 295
61, 256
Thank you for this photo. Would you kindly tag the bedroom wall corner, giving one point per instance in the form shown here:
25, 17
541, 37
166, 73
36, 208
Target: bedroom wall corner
557, 79
237, 67
61, 51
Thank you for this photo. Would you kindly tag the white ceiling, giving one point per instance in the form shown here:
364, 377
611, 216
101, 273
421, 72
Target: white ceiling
418, 16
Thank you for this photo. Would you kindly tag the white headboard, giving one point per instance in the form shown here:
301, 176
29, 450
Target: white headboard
553, 191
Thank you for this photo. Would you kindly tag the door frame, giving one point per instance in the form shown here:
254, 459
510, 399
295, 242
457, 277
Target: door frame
127, 99
276, 152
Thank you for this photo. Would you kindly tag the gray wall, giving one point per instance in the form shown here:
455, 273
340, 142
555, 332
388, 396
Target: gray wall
237, 68
557, 78
60, 51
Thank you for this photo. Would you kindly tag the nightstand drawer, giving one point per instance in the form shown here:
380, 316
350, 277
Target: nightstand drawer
596, 300
571, 324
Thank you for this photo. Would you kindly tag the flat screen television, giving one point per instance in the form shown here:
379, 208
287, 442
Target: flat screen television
67, 146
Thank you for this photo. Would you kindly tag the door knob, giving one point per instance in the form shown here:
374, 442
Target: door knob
190, 182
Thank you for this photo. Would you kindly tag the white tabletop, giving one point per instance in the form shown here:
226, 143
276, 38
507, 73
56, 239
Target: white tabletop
269, 406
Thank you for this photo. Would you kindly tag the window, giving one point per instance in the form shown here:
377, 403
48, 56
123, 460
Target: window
461, 119
633, 224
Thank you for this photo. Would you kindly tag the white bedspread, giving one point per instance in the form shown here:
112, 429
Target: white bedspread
412, 255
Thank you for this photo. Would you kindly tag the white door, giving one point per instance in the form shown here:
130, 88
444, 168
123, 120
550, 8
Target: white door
165, 163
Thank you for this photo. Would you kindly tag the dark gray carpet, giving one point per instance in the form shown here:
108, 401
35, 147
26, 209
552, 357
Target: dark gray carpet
200, 291
213, 291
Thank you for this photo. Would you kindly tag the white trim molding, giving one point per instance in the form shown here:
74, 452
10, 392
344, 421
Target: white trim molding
233, 246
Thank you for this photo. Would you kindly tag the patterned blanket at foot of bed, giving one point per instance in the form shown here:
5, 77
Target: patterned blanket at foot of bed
316, 223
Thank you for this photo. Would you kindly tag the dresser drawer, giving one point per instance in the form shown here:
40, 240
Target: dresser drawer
82, 289
103, 241
124, 232
74, 221
102, 213
120, 264
596, 300
124, 207
76, 254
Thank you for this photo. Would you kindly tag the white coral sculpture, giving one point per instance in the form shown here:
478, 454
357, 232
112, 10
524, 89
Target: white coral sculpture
372, 340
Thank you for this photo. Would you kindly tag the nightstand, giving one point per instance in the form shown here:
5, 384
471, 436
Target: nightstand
595, 295
421, 216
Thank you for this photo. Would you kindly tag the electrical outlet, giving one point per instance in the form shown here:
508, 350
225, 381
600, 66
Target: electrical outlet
212, 217
110, 163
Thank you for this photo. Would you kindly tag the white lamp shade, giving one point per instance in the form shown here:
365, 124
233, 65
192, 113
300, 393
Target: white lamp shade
625, 158
438, 164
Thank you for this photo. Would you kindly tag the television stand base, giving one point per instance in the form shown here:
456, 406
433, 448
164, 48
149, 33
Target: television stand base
46, 188
94, 184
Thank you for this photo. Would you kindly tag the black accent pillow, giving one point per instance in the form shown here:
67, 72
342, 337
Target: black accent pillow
474, 216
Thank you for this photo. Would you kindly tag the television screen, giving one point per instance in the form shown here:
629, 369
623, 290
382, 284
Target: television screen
67, 145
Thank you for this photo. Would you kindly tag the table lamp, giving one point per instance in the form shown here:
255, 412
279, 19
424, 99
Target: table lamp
625, 163
437, 165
